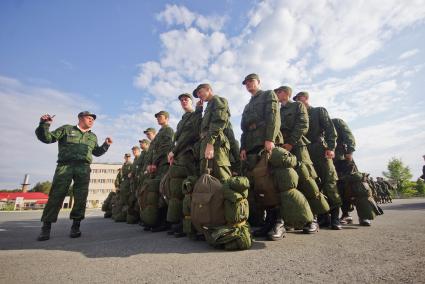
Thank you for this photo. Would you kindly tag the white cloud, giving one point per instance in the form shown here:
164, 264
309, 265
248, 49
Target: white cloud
290, 42
408, 54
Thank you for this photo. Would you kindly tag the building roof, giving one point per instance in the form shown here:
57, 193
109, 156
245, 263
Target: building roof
25, 195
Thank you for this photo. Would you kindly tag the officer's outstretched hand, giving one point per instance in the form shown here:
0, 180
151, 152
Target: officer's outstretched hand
108, 140
47, 118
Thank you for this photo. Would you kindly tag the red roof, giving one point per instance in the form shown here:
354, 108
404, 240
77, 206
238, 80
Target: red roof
25, 195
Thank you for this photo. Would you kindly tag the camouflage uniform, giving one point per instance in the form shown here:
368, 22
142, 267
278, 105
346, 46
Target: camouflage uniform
159, 149
214, 122
74, 158
345, 144
124, 193
133, 207
294, 127
260, 122
107, 205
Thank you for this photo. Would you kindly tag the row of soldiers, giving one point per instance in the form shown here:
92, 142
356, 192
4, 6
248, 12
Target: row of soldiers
381, 190
299, 163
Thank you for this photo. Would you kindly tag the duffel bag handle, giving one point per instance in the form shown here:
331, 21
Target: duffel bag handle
208, 170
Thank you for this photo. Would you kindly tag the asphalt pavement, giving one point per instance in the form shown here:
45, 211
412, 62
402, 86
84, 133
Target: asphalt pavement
392, 250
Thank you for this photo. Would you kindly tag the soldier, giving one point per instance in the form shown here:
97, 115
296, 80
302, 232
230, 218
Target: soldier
124, 192
107, 205
322, 136
144, 146
77, 144
157, 161
214, 143
133, 207
261, 131
182, 156
294, 127
423, 170
344, 163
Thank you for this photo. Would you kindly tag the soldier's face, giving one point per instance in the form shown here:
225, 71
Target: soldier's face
252, 85
85, 122
136, 152
143, 146
302, 99
186, 103
282, 96
126, 158
150, 135
161, 119
205, 94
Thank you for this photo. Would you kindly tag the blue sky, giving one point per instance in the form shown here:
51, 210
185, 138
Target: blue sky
126, 60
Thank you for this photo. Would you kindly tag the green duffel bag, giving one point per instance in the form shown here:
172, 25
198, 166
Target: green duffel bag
149, 203
281, 158
265, 192
239, 184
285, 178
176, 185
177, 171
189, 184
174, 210
229, 237
294, 208
236, 212
187, 200
319, 205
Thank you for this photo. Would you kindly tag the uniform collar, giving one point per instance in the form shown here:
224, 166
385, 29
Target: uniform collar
88, 130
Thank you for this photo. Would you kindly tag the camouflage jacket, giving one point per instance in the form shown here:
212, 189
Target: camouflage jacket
345, 142
260, 121
294, 126
321, 128
215, 120
74, 145
118, 179
187, 132
126, 170
160, 146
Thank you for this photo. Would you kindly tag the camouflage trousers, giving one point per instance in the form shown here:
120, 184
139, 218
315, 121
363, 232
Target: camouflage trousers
326, 171
64, 175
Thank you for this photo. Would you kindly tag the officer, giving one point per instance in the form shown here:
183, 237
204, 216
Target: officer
322, 135
294, 127
157, 160
215, 145
77, 144
183, 156
261, 131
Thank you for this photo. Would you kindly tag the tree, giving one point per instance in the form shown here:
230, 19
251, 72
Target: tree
44, 187
398, 172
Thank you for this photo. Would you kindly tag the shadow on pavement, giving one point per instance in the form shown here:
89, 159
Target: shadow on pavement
419, 205
100, 238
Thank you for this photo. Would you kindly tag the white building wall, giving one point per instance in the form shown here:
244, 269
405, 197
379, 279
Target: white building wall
102, 180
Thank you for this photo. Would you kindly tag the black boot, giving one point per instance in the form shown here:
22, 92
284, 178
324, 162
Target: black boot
45, 231
324, 220
75, 229
346, 218
178, 230
311, 228
365, 222
268, 224
335, 224
277, 232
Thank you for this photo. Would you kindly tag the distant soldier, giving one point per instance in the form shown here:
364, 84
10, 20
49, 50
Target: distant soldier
215, 145
157, 162
133, 207
183, 158
77, 144
144, 146
322, 135
294, 127
260, 126
344, 163
124, 192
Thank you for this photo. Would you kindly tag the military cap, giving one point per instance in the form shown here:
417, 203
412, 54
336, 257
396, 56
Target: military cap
301, 94
135, 147
127, 155
87, 113
145, 141
283, 88
200, 86
250, 77
150, 129
162, 112
185, 95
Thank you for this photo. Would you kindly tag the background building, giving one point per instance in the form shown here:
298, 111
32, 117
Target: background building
102, 180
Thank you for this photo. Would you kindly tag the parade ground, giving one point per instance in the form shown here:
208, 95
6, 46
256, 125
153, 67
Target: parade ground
392, 250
